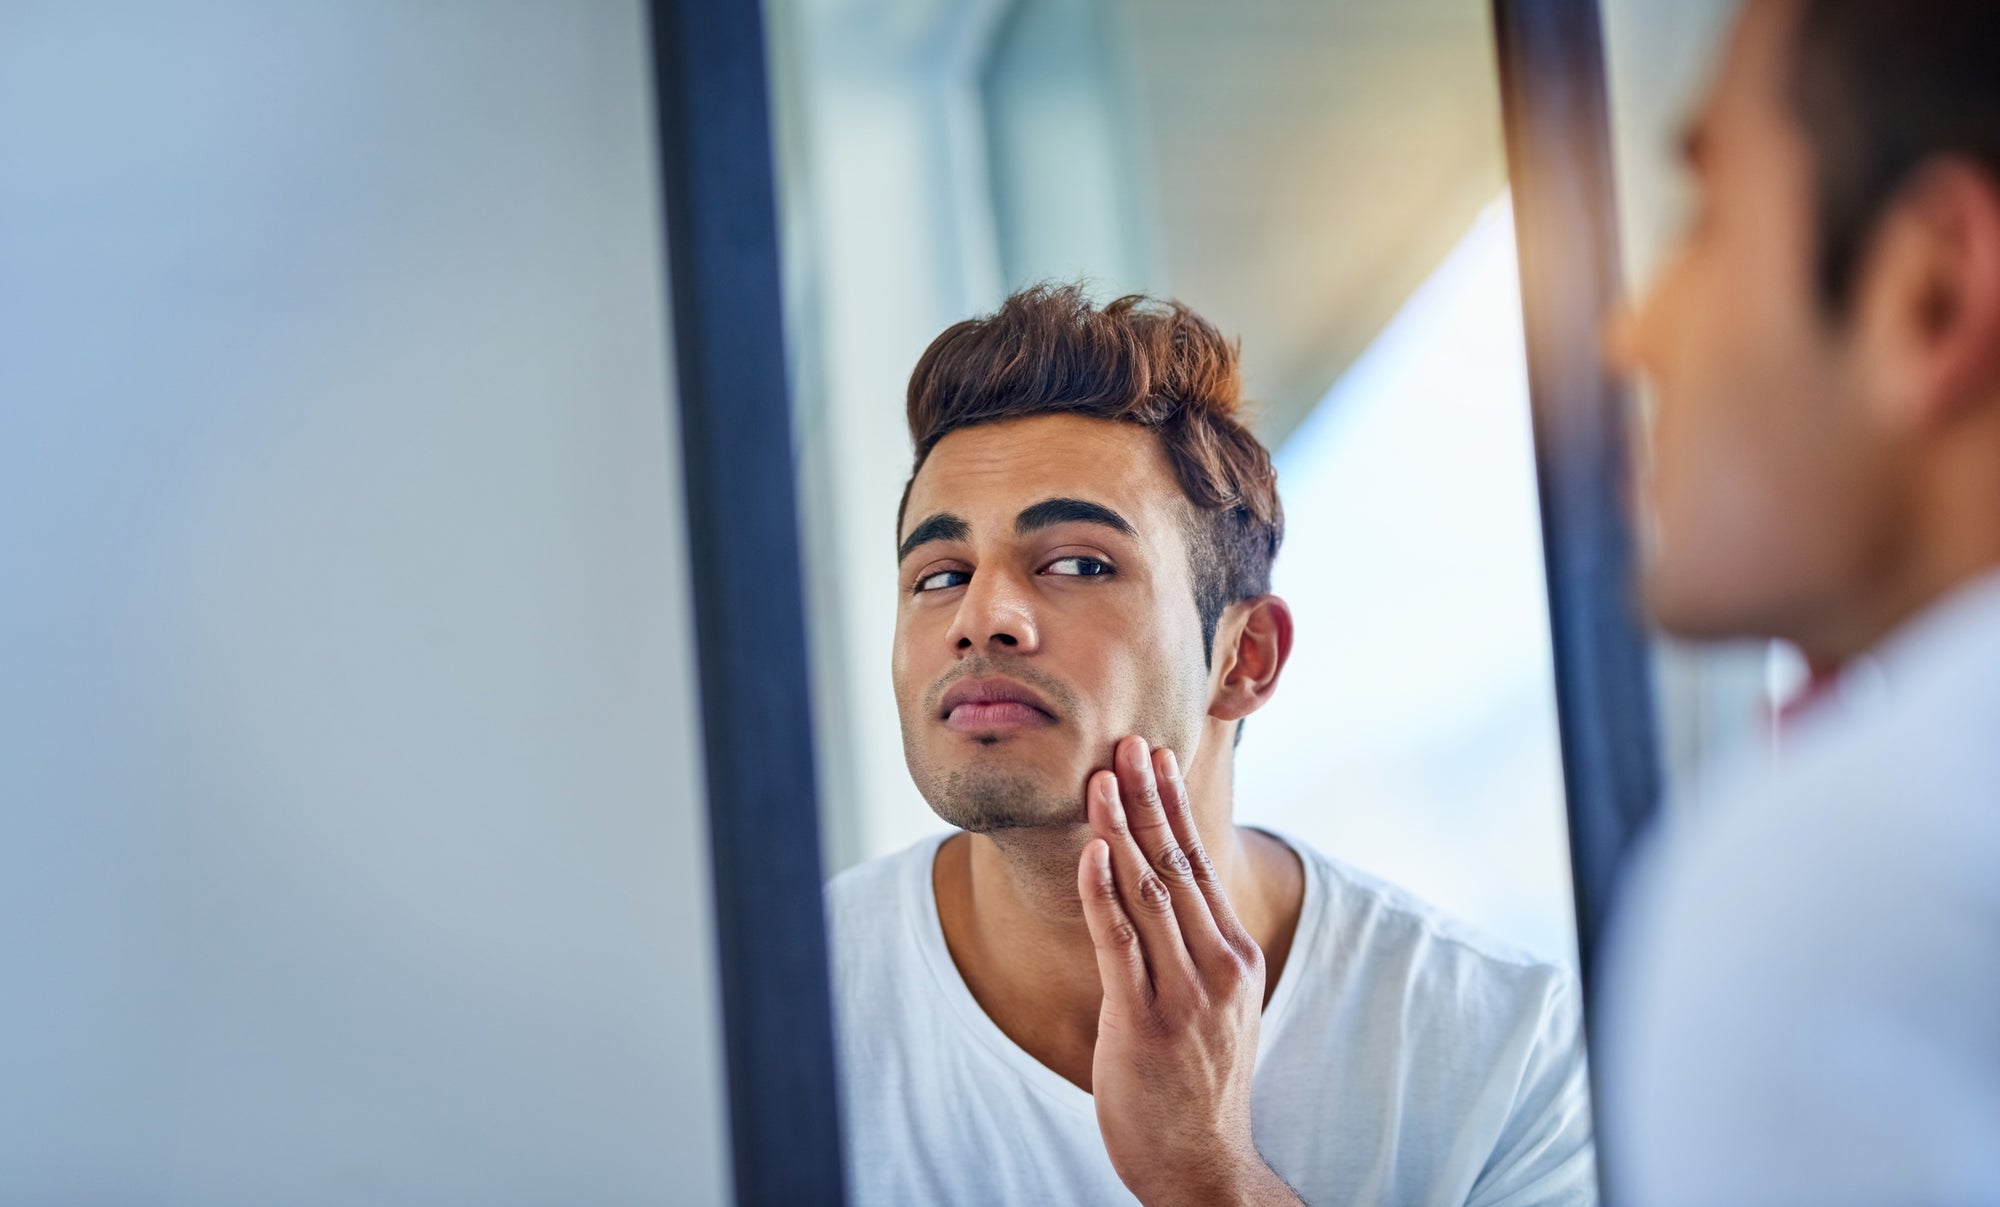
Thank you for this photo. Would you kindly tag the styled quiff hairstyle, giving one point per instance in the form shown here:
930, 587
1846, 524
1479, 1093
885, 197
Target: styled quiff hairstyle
1158, 365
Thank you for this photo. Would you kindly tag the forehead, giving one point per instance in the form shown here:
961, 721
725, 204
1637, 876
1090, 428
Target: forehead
1751, 88
986, 474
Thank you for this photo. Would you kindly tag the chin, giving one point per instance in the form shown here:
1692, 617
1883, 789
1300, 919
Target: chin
1697, 606
991, 789
1678, 610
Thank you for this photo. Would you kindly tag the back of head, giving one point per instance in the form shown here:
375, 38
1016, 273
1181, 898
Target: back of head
1159, 365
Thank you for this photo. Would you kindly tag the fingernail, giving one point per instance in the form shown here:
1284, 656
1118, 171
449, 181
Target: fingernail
1100, 854
1141, 755
1173, 766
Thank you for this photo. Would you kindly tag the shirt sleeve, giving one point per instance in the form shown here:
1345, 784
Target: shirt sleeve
1546, 1156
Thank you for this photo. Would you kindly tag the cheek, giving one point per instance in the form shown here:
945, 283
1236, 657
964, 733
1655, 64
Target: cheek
904, 670
1165, 679
1729, 367
1753, 483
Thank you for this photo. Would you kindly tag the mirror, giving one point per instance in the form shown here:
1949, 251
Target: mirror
1256, 164
1326, 184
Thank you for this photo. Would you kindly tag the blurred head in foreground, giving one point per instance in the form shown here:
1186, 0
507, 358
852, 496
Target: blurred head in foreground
1084, 550
1825, 344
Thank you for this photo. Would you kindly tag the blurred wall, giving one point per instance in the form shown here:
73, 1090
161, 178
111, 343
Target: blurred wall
353, 846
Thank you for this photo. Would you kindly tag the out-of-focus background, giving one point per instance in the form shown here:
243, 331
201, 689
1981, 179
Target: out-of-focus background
354, 845
1326, 181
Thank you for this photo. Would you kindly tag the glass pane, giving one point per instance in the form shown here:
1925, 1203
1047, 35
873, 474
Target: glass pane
1325, 183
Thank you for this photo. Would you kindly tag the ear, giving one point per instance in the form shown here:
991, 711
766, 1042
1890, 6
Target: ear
1252, 641
1928, 308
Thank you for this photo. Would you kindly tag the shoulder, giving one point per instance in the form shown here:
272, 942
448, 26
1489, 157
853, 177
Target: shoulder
1390, 969
1858, 864
878, 883
873, 910
1791, 931
1377, 926
1479, 1040
1878, 815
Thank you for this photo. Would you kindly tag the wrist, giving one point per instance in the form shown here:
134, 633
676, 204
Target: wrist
1246, 1182
1260, 1186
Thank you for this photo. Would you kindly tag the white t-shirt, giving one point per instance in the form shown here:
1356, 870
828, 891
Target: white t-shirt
1802, 992
1402, 1060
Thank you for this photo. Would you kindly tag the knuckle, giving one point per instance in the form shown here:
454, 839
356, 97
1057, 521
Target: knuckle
1172, 864
1243, 982
1200, 864
1123, 934
1152, 893
1252, 963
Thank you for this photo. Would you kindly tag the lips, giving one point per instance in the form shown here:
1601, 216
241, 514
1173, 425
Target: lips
988, 704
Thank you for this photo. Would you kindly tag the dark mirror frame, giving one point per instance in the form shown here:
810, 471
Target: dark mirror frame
728, 350
1555, 106
722, 255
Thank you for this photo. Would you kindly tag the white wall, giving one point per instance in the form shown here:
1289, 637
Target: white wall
353, 847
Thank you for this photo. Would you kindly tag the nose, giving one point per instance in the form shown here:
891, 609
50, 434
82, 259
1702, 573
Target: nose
997, 610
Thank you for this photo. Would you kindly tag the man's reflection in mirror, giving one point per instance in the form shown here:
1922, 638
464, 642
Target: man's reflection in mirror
1100, 987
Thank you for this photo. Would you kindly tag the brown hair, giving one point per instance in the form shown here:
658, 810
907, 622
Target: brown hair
1048, 351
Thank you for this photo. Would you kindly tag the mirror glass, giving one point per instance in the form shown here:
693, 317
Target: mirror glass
1327, 184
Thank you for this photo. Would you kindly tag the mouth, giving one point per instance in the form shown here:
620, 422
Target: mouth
987, 705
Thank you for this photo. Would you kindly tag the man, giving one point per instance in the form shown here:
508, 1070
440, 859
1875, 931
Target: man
1803, 995
1102, 988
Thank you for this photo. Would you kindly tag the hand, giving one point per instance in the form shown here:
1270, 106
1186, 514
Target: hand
1183, 995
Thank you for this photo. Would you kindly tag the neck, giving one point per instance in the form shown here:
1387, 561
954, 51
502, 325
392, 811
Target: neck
1014, 924
1947, 534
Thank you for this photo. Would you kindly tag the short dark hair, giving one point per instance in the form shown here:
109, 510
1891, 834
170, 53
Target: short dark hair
1880, 90
1159, 365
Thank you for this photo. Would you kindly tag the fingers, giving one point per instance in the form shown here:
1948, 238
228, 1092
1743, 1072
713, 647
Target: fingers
1120, 965
1145, 896
1180, 819
1145, 789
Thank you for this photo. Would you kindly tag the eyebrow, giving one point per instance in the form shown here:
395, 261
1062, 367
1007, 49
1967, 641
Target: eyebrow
1050, 512
943, 526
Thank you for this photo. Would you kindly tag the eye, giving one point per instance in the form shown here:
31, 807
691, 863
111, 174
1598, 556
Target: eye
941, 580
1078, 566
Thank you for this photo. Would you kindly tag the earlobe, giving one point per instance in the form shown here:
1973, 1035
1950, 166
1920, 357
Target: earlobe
1258, 634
